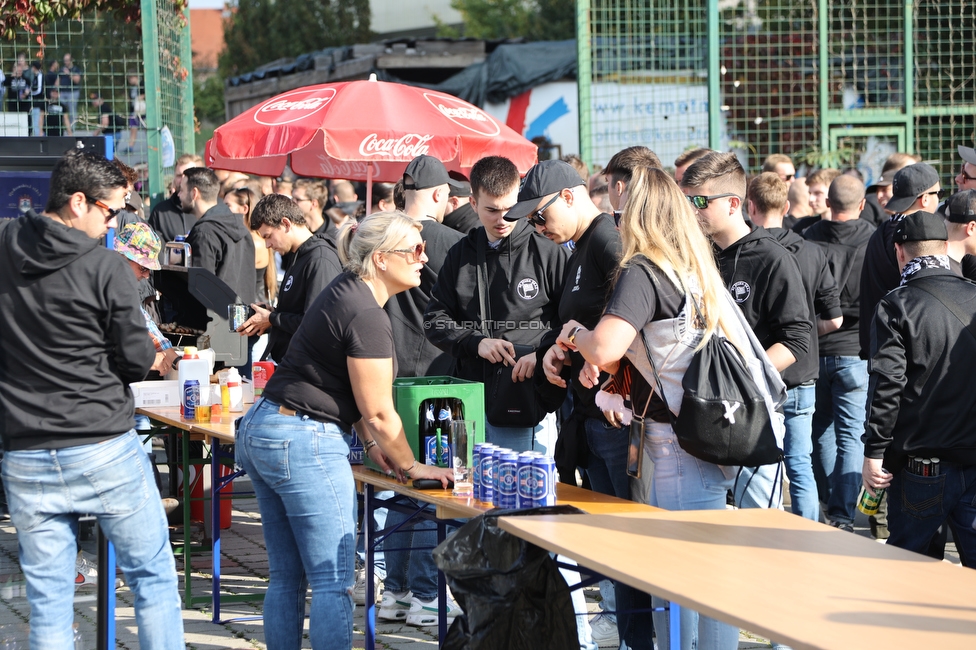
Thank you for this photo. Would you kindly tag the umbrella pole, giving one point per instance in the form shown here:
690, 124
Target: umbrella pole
369, 188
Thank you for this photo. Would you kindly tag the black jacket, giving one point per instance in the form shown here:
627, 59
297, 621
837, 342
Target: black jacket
220, 243
823, 300
524, 280
873, 213
464, 219
72, 337
844, 243
765, 282
416, 356
879, 275
315, 265
169, 220
921, 397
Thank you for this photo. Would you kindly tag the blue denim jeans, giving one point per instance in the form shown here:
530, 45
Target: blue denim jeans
918, 505
300, 471
798, 445
411, 570
838, 424
520, 438
683, 482
47, 490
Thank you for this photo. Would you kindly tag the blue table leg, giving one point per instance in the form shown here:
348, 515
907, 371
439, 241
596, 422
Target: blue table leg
675, 627
105, 617
215, 525
441, 590
368, 543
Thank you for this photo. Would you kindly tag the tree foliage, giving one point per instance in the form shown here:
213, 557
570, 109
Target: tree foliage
534, 20
208, 99
33, 15
261, 31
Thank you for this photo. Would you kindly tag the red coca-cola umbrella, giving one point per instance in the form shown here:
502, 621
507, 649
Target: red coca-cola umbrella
363, 131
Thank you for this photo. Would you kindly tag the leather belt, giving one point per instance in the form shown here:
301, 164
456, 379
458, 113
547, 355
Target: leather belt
284, 410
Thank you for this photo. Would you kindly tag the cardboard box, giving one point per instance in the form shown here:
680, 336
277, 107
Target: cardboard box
156, 393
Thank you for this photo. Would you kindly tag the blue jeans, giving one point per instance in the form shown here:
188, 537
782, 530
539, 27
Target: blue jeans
798, 445
47, 490
519, 438
918, 505
838, 424
683, 482
300, 471
411, 570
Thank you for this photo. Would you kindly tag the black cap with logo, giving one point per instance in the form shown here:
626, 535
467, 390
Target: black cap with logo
548, 177
426, 172
909, 184
920, 226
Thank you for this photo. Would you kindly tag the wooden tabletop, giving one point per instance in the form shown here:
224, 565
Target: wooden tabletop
221, 429
790, 579
451, 507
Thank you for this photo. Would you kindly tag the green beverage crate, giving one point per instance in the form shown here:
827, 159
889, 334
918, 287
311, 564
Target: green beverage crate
409, 393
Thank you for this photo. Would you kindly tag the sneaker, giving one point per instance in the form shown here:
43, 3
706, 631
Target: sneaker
359, 590
424, 614
603, 631
86, 571
843, 525
394, 607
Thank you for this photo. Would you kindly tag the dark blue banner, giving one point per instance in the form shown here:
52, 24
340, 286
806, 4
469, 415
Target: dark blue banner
21, 191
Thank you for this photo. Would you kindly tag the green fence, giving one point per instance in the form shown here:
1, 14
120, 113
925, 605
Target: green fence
747, 76
140, 70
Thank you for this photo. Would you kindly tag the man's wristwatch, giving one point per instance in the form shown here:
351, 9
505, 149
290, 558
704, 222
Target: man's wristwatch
573, 332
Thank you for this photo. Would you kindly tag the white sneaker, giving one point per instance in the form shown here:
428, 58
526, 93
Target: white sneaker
394, 607
424, 614
86, 571
603, 631
359, 590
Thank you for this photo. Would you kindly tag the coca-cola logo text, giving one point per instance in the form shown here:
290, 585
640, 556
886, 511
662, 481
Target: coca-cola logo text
348, 169
463, 114
407, 147
294, 106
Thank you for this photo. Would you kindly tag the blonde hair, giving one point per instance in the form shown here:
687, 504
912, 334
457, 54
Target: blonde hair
659, 223
380, 231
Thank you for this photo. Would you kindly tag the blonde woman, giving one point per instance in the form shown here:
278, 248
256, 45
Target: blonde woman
666, 263
294, 441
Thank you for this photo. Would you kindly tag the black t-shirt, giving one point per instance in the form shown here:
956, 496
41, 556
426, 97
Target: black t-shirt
344, 321
643, 294
116, 123
54, 119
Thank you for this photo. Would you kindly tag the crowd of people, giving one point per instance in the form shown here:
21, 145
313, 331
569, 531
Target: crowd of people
554, 291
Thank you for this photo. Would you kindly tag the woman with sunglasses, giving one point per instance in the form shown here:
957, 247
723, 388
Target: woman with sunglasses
666, 262
294, 442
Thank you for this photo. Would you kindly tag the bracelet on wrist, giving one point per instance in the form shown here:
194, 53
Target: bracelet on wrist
369, 444
409, 469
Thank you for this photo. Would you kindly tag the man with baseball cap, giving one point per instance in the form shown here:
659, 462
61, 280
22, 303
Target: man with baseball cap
915, 188
966, 178
921, 402
960, 220
549, 186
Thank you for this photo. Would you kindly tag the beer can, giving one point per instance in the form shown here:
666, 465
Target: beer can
869, 504
476, 470
935, 466
523, 495
926, 467
496, 459
191, 399
487, 462
507, 479
544, 476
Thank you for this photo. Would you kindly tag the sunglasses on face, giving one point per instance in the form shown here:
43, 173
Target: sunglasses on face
413, 254
112, 212
536, 218
939, 193
962, 172
701, 202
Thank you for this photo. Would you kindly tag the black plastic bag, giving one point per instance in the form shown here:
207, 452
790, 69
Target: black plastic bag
511, 591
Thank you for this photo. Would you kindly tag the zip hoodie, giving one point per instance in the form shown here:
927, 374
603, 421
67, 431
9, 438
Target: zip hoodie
823, 299
525, 275
72, 337
220, 243
765, 282
316, 264
844, 243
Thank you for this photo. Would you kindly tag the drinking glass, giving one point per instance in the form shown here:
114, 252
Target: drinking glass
462, 437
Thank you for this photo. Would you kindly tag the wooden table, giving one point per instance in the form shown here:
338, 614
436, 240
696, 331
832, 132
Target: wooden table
447, 510
790, 579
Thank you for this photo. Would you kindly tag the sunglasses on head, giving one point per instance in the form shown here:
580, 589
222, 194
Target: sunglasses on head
536, 218
413, 254
112, 212
701, 201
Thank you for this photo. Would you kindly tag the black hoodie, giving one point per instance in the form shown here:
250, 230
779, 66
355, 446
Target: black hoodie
316, 264
169, 221
220, 243
72, 337
525, 276
765, 282
823, 299
844, 243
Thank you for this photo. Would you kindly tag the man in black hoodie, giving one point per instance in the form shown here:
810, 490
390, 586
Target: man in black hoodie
72, 337
168, 218
768, 206
219, 241
763, 278
315, 263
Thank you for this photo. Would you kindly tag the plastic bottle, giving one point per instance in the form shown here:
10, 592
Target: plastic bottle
235, 390
191, 366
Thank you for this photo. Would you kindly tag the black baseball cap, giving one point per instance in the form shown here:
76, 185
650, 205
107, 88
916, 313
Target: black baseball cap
548, 177
909, 184
968, 154
961, 207
425, 172
920, 226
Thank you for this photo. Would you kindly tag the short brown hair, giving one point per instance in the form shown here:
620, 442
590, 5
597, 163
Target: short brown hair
773, 159
623, 163
823, 176
578, 165
768, 193
493, 175
271, 209
189, 157
204, 180
314, 189
690, 156
722, 170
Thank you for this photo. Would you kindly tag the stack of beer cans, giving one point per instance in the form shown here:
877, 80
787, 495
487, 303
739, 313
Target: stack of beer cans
508, 479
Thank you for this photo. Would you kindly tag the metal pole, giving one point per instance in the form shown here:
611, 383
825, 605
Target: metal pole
584, 78
909, 76
154, 99
824, 73
105, 603
714, 79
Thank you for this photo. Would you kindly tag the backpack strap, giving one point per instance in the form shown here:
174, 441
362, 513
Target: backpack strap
657, 380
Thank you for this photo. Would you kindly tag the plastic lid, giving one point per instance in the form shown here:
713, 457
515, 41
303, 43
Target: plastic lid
180, 238
190, 352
